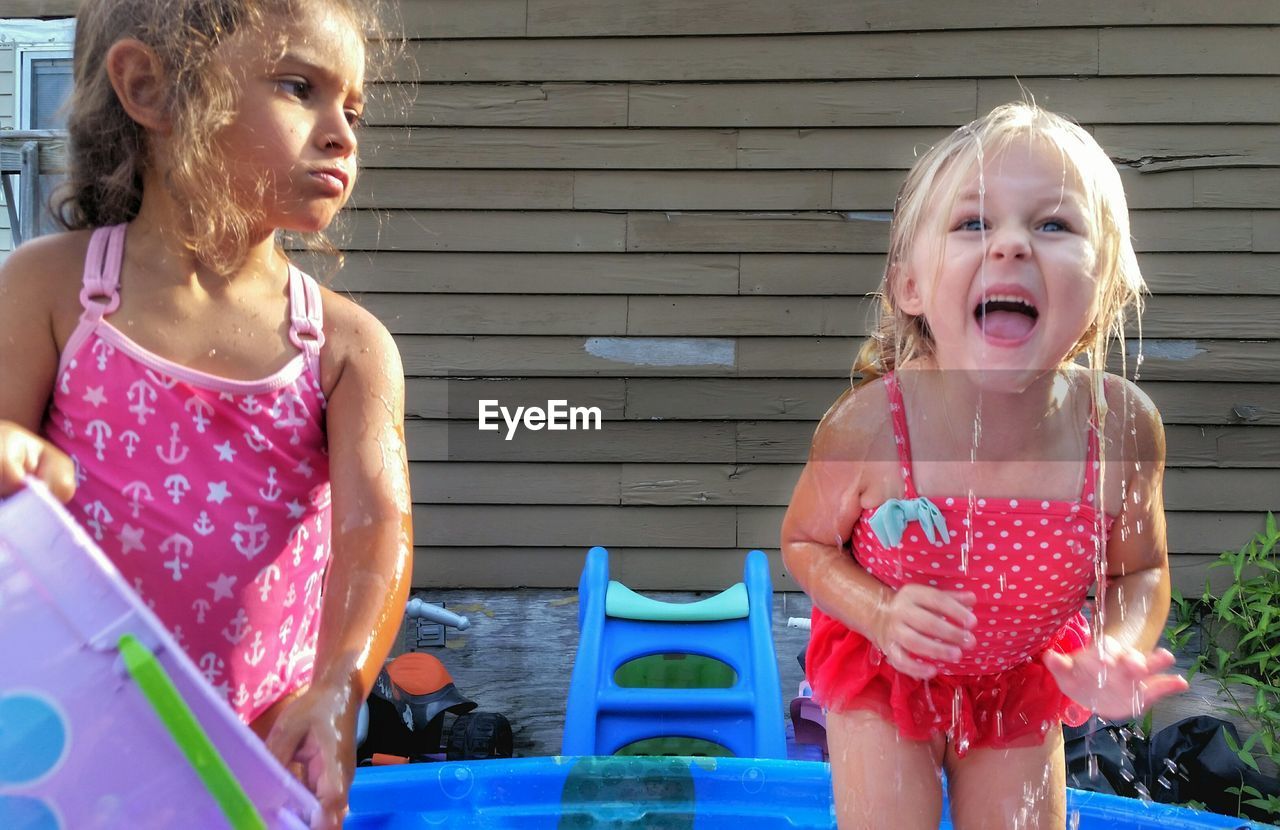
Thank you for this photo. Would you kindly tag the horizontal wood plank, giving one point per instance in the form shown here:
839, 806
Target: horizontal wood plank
749, 442
458, 398
707, 190
460, 482
39, 8
800, 274
558, 525
551, 148
641, 568
1253, 188
451, 19
1163, 147
757, 232
1197, 273
464, 189
659, 569
543, 273
717, 399
778, 57
447, 230
1186, 489
1190, 50
783, 399
490, 314
814, 104
800, 357
552, 18
1147, 147
857, 274
894, 148
1165, 316
1189, 100
856, 190
505, 105
1240, 446
615, 442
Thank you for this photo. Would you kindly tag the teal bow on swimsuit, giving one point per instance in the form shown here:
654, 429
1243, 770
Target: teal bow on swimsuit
891, 518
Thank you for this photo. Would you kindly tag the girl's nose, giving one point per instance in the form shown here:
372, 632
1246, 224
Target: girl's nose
1009, 243
337, 134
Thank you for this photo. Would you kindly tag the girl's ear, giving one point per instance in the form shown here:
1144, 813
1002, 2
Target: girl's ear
138, 78
906, 290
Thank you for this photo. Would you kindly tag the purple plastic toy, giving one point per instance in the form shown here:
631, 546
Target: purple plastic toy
82, 744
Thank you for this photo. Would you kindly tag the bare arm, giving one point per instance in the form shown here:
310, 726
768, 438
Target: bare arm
914, 622
1124, 673
371, 554
29, 365
1136, 595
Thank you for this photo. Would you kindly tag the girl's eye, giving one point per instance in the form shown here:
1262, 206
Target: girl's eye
1056, 225
972, 224
296, 87
354, 118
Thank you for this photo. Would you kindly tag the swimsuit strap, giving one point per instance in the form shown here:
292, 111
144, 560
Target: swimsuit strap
99, 294
1089, 489
306, 313
898, 415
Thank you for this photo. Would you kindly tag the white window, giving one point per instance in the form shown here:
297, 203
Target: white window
43, 86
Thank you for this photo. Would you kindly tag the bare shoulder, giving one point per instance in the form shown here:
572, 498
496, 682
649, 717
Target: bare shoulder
42, 277
1133, 421
854, 424
357, 344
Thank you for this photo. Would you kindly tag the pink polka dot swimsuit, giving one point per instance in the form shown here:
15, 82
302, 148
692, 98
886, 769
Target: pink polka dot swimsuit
210, 495
1030, 564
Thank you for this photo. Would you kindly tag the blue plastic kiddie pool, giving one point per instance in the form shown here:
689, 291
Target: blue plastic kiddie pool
661, 793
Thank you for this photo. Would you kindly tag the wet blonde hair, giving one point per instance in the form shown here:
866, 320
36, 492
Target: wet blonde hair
109, 151
937, 178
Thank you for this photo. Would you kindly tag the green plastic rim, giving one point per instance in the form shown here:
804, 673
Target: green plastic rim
182, 726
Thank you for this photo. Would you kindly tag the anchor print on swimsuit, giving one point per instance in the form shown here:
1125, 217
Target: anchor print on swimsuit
211, 496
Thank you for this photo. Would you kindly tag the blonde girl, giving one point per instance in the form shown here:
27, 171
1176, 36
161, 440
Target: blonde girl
959, 504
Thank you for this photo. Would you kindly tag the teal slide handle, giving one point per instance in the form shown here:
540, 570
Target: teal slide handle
186, 732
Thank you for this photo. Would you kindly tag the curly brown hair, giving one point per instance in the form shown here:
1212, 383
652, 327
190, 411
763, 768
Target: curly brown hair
108, 151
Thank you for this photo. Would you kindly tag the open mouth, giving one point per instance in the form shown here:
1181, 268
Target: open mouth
1006, 317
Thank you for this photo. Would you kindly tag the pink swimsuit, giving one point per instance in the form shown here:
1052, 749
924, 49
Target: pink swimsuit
210, 495
1030, 564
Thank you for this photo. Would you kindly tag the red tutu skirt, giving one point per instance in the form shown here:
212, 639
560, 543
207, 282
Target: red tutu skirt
1016, 707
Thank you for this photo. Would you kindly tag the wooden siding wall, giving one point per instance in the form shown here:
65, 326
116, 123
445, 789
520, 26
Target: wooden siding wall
672, 210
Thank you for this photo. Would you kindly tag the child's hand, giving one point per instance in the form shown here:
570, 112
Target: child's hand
1114, 680
316, 733
923, 622
24, 454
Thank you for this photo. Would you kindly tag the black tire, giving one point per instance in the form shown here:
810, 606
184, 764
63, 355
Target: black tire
479, 735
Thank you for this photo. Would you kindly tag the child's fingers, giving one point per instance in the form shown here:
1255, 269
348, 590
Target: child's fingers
1162, 686
930, 623
1159, 660
923, 645
58, 473
953, 605
906, 663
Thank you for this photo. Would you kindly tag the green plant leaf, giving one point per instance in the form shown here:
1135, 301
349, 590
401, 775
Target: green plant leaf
1271, 525
1223, 605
